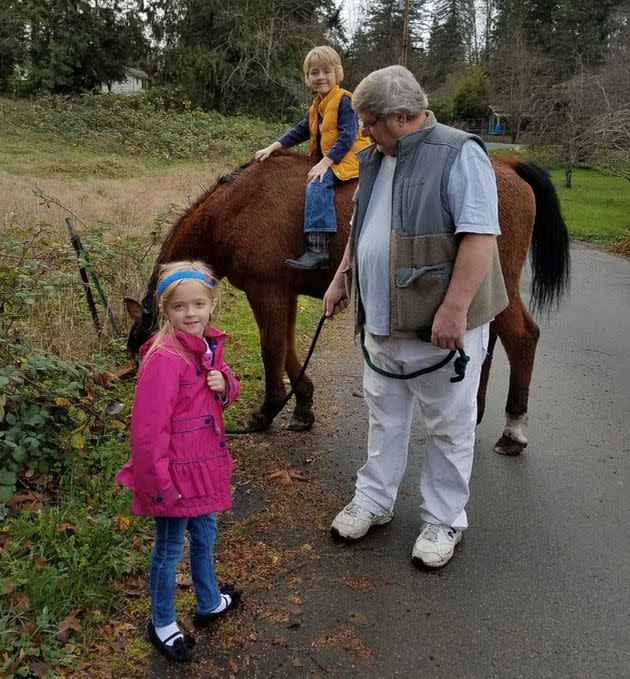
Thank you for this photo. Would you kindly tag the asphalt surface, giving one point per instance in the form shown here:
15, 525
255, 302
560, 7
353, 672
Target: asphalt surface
540, 585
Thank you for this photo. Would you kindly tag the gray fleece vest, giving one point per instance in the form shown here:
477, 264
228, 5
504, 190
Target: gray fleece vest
423, 245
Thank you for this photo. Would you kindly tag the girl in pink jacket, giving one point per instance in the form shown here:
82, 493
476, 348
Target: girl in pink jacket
180, 467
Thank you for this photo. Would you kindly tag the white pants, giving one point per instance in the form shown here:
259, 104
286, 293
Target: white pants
449, 411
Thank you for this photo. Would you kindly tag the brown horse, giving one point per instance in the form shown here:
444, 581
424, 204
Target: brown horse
251, 221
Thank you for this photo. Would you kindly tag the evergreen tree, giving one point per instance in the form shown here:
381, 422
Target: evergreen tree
240, 55
12, 40
76, 46
378, 42
452, 41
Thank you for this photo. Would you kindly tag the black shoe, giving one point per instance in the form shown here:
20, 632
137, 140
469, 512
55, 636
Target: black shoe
207, 619
182, 649
310, 261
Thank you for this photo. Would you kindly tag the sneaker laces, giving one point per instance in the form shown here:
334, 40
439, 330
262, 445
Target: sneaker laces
355, 510
434, 533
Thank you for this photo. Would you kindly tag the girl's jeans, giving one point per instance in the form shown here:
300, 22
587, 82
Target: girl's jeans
167, 551
319, 205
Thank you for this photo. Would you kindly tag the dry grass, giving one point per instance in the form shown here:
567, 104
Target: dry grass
127, 209
129, 205
622, 247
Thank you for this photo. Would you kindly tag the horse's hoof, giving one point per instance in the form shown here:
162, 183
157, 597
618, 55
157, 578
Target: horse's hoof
304, 423
258, 421
508, 446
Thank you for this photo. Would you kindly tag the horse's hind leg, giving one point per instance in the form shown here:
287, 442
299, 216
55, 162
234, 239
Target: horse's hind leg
519, 335
485, 374
271, 312
303, 417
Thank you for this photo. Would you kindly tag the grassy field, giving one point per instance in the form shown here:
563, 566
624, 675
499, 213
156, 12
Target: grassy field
123, 170
597, 207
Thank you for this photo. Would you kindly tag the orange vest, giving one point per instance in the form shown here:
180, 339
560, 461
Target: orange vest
328, 108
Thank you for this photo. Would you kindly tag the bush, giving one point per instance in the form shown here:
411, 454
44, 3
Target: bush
471, 94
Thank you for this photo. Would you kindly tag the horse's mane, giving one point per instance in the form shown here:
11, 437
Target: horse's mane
228, 178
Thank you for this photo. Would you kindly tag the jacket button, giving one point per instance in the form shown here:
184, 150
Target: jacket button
207, 420
198, 373
216, 397
158, 500
222, 444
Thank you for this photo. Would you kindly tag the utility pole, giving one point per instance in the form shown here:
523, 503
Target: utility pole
405, 36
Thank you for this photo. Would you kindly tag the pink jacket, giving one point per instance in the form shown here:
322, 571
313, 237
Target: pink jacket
180, 465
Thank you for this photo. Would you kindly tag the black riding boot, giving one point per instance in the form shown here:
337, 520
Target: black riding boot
316, 255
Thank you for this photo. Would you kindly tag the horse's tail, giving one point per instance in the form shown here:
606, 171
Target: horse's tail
550, 257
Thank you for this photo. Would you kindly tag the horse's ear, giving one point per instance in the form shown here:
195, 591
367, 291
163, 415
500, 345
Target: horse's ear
134, 309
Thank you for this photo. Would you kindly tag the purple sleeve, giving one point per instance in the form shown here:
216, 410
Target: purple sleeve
297, 134
348, 125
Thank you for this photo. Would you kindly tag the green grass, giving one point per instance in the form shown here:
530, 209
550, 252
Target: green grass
597, 207
243, 347
105, 136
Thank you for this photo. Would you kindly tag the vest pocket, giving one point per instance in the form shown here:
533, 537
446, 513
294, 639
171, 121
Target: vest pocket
418, 293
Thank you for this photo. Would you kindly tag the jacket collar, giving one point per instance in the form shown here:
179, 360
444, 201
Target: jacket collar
410, 141
322, 102
197, 346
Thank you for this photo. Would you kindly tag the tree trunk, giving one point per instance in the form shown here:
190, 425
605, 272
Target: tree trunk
568, 175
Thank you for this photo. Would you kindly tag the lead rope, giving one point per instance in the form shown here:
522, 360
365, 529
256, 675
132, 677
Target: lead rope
460, 365
460, 369
261, 427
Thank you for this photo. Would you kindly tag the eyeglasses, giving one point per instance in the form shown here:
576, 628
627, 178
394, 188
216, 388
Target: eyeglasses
366, 128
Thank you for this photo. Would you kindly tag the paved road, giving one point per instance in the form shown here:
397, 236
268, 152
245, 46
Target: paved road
540, 587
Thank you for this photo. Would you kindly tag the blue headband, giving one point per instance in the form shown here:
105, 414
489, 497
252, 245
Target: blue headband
181, 275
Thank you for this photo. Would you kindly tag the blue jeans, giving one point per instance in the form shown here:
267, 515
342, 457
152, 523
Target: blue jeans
167, 551
319, 205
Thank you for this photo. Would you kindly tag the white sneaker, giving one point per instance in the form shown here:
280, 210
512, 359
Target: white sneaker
435, 545
353, 522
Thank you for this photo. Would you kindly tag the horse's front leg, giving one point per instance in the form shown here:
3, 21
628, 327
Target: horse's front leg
519, 335
270, 312
303, 417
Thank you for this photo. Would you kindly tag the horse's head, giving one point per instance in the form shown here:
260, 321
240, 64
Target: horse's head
144, 324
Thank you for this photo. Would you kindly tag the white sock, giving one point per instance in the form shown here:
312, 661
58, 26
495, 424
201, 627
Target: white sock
172, 631
226, 600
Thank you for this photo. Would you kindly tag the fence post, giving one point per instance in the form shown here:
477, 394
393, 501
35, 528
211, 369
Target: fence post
78, 248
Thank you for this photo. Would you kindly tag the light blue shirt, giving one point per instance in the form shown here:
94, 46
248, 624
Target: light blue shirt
472, 197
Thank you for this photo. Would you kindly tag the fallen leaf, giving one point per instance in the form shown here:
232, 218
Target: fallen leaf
105, 379
39, 668
28, 499
114, 408
233, 665
294, 609
296, 662
287, 476
357, 392
69, 624
19, 603
67, 528
184, 580
123, 522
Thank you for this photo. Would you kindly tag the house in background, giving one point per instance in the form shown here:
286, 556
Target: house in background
135, 80
497, 121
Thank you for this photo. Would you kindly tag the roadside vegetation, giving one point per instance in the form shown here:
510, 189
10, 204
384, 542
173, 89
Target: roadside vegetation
70, 553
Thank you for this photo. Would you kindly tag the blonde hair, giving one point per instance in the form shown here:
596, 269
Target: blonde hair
323, 56
165, 329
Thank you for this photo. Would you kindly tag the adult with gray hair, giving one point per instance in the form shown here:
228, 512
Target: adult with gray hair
422, 273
